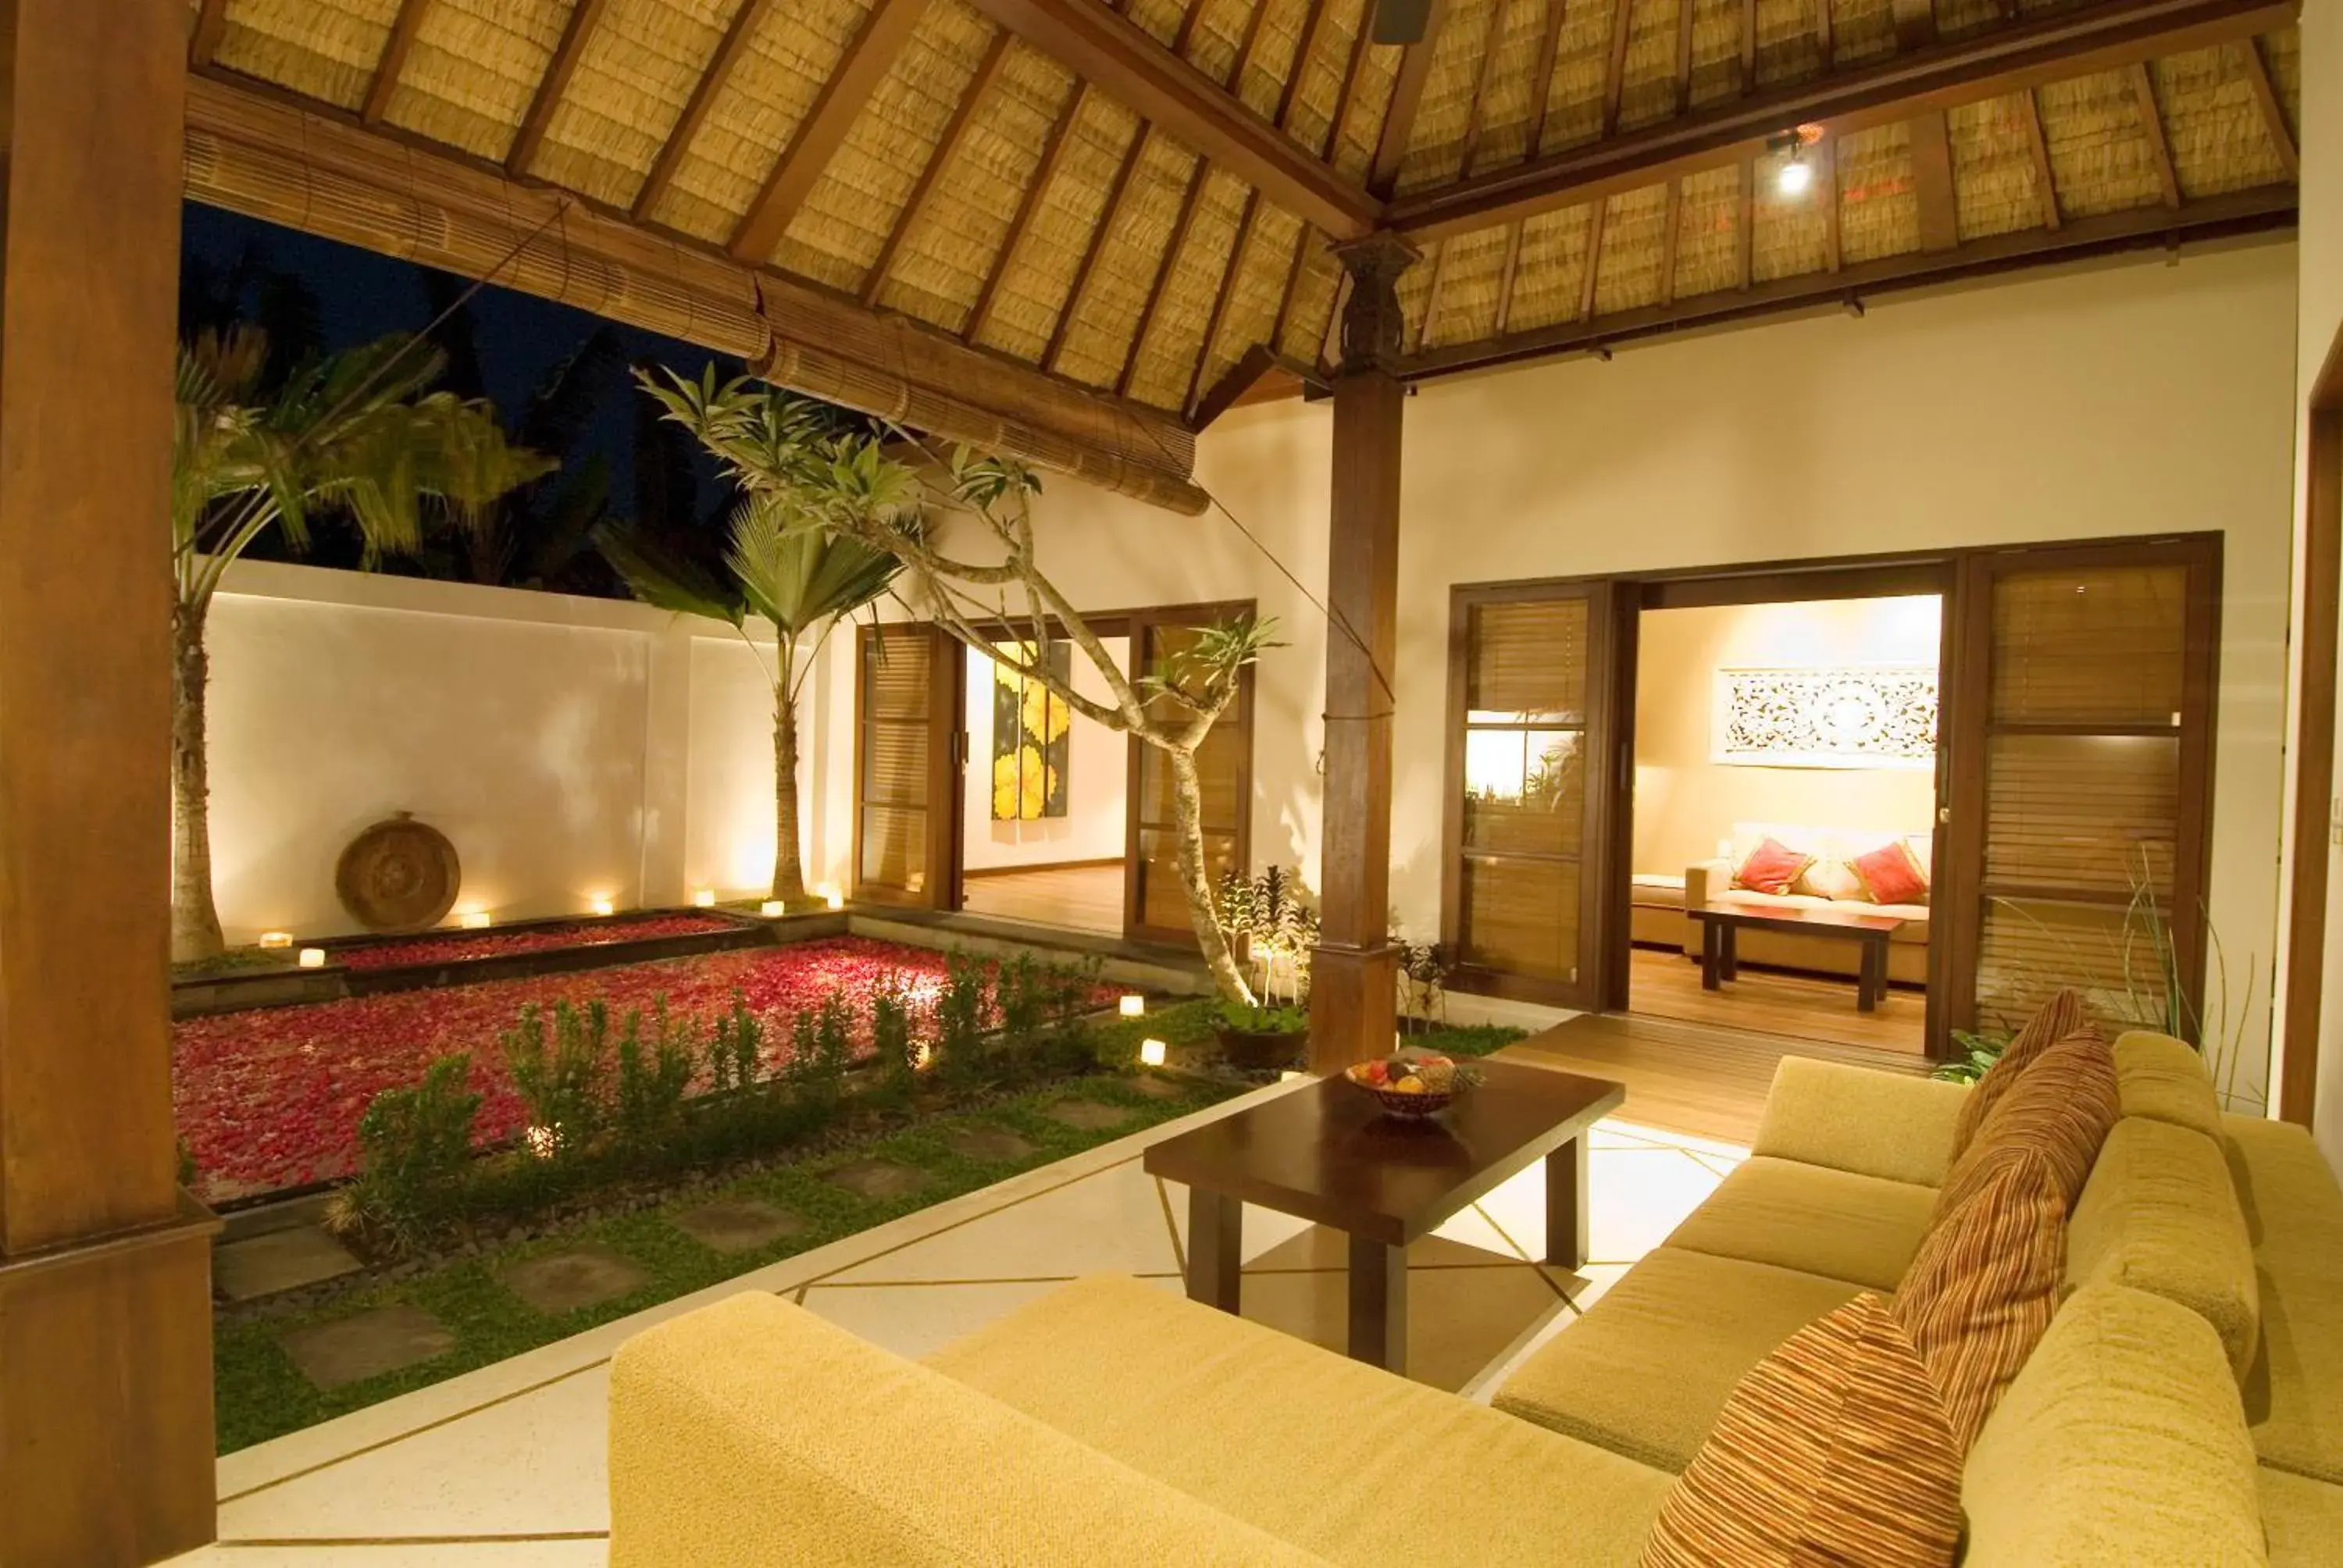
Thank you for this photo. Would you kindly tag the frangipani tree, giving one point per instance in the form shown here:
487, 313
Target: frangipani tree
843, 483
358, 433
803, 581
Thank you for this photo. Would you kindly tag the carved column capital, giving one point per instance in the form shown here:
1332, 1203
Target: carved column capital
1373, 324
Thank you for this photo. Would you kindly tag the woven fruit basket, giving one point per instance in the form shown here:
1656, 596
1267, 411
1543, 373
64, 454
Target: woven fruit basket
1413, 1086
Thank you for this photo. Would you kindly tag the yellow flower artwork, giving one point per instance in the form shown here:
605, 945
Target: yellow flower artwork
1032, 732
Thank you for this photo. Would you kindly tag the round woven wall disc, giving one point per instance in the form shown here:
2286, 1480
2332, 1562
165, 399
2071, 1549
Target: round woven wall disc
398, 876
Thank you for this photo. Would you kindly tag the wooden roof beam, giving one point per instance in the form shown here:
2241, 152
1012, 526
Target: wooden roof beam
2151, 125
1053, 152
2273, 113
2246, 211
204, 42
1916, 24
1614, 68
1407, 97
1108, 211
1932, 182
392, 61
1224, 295
721, 66
583, 18
1254, 364
1108, 49
2045, 47
947, 145
885, 33
1163, 265
1541, 78
2046, 180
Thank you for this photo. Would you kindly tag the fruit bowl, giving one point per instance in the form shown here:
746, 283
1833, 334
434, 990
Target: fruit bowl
1413, 1086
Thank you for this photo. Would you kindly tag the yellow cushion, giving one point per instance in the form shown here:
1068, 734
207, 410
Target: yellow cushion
2121, 1442
754, 1434
1645, 1371
2161, 1077
1884, 1124
2159, 1214
1347, 1461
2303, 1518
2292, 1204
2294, 1390
1833, 1223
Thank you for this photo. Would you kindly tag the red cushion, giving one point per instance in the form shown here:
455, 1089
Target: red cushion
1772, 867
1891, 875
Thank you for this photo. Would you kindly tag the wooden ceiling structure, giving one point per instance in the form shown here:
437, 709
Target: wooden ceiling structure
1077, 233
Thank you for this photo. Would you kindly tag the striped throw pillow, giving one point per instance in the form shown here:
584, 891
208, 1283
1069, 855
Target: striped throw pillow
1983, 1287
2061, 1109
1834, 1449
2053, 1022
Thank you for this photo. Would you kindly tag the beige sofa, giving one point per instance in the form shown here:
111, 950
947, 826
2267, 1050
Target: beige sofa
1112, 1422
1711, 880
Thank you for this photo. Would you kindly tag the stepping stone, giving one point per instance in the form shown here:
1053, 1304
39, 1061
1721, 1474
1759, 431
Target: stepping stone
367, 1344
991, 1145
1155, 1088
880, 1180
1088, 1115
738, 1225
278, 1260
573, 1280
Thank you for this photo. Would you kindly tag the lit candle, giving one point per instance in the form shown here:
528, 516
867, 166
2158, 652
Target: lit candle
276, 938
1133, 1006
1151, 1052
313, 958
834, 898
772, 909
473, 919
604, 906
704, 899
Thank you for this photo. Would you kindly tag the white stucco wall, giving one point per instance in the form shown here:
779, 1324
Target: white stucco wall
1097, 777
569, 749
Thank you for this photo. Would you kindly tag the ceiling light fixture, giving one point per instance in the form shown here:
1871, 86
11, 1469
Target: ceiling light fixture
1797, 175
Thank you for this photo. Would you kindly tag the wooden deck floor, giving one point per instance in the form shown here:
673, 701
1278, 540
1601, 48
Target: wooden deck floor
1775, 1002
1689, 1078
1076, 898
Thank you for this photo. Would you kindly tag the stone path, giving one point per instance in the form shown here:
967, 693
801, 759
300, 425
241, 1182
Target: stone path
739, 1225
367, 1344
1089, 1115
880, 1180
278, 1260
572, 1281
991, 1145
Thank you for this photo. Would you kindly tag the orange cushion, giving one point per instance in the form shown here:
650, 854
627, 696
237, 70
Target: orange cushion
1983, 1286
1836, 1448
2053, 1022
1891, 874
1772, 867
2061, 1109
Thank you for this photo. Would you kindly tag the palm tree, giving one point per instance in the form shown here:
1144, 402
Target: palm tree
803, 581
357, 434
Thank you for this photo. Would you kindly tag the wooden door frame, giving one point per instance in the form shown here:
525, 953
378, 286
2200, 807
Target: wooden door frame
1137, 623
2314, 742
946, 732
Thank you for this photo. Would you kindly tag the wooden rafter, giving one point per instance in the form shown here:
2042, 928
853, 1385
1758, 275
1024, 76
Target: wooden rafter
1476, 121
2244, 211
1505, 276
885, 33
1106, 48
1053, 152
1163, 265
987, 72
1671, 225
1432, 292
1108, 212
393, 60
1224, 295
1542, 80
2151, 125
1744, 228
1916, 24
2273, 113
1823, 42
1257, 371
211, 21
1348, 93
1748, 45
721, 66
1305, 46
1614, 68
1594, 259
575, 35
1932, 182
1293, 286
1407, 96
2045, 46
2044, 181
1683, 56
1826, 172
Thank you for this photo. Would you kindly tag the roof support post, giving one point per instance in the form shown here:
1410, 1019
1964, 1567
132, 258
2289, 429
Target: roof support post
1354, 975
105, 1343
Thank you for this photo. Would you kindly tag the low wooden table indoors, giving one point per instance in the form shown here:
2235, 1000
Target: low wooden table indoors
1328, 1153
1718, 922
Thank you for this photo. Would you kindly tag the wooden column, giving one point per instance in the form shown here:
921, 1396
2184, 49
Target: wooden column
105, 1407
1355, 974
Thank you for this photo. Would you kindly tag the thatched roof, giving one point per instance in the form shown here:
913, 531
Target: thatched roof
911, 156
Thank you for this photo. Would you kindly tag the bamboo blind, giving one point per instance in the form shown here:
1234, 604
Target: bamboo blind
899, 682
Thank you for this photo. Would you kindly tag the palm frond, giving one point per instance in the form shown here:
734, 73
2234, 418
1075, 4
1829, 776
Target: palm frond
665, 580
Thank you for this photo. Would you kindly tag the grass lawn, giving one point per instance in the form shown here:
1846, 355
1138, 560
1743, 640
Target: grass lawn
261, 1394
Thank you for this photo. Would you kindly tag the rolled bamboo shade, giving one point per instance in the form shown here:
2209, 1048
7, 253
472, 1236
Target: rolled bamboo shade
899, 682
1529, 658
275, 161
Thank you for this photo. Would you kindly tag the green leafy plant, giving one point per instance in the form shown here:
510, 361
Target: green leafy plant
891, 1037
562, 1085
960, 1014
735, 1048
1978, 1053
1271, 919
653, 1078
1423, 971
414, 1155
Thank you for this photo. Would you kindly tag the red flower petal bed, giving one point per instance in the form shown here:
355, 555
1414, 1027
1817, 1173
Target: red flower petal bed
456, 946
270, 1097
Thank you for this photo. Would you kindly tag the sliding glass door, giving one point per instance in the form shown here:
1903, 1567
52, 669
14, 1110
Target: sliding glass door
907, 684
1155, 903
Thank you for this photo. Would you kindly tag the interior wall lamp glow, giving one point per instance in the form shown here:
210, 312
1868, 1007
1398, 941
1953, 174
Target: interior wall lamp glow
1797, 174
705, 898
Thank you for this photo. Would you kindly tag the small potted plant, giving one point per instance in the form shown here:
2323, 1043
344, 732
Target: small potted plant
1268, 920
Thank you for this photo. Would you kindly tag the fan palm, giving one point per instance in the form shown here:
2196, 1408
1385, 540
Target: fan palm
802, 580
358, 433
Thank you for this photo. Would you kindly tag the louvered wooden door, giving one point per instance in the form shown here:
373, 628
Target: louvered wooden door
1529, 778
1156, 901
2081, 725
906, 782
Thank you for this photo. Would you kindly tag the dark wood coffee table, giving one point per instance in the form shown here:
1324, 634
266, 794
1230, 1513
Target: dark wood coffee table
1328, 1153
1719, 962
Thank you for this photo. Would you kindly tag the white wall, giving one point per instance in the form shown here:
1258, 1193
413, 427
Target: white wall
1097, 768
1686, 802
569, 749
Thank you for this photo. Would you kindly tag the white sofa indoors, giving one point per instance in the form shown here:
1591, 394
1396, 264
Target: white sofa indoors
1829, 881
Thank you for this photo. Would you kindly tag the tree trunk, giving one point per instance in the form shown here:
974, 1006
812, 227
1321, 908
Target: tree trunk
1188, 818
194, 923
789, 866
